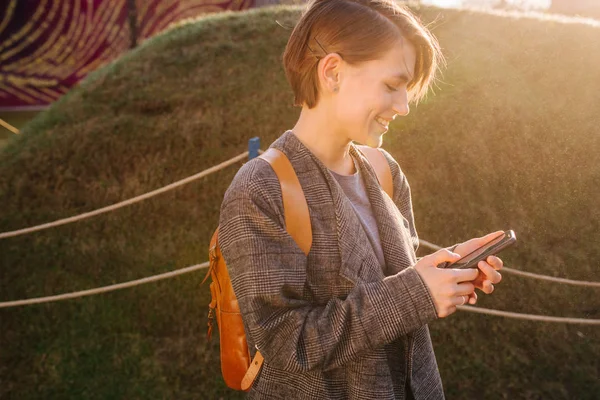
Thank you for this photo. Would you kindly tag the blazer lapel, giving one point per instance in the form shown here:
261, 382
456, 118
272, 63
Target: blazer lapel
358, 261
394, 231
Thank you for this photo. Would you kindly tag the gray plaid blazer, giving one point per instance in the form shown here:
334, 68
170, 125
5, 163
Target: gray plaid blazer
333, 324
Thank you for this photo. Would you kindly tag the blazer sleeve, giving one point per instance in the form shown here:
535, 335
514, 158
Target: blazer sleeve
268, 274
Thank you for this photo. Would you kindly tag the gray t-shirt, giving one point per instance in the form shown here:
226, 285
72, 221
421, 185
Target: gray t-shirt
354, 188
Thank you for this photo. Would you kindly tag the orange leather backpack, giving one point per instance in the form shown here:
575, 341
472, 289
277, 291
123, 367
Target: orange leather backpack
238, 370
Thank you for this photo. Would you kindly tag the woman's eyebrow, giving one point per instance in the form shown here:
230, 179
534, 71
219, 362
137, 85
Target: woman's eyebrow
401, 77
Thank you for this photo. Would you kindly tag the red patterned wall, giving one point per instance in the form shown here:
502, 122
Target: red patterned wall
47, 46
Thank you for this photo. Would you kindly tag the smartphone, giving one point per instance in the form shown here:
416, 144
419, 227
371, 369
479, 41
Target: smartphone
493, 247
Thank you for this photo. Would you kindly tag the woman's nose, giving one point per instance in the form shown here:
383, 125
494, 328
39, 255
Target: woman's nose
402, 109
401, 105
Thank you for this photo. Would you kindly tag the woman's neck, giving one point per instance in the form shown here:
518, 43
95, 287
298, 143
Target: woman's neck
315, 131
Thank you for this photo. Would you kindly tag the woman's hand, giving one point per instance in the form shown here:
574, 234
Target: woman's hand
448, 287
488, 274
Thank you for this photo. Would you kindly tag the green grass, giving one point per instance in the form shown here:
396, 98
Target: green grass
510, 140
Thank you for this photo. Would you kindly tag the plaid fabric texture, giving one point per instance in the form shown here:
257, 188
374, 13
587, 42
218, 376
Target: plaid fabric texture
333, 324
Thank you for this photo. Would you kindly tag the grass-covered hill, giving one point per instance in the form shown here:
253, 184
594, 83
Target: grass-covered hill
509, 140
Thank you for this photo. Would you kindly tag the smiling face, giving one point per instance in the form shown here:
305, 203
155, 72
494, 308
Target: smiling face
372, 94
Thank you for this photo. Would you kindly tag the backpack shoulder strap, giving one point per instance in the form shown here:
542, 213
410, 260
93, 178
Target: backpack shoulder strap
295, 208
381, 167
297, 224
297, 219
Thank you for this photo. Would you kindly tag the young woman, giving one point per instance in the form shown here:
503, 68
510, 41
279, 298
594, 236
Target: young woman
348, 320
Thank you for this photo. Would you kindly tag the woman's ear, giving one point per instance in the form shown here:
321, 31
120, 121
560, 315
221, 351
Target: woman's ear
329, 72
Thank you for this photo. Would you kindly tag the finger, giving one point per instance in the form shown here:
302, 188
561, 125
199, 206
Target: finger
473, 298
492, 235
490, 273
478, 283
480, 241
464, 289
465, 275
442, 256
487, 287
495, 262
447, 311
459, 300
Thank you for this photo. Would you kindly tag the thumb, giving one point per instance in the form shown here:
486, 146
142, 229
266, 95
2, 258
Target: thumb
442, 256
492, 235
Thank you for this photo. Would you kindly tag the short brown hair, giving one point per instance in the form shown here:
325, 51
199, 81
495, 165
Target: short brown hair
359, 31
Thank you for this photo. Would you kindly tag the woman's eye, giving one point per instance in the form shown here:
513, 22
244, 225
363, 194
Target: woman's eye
391, 88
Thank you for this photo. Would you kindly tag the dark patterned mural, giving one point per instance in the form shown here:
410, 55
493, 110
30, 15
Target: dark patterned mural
47, 46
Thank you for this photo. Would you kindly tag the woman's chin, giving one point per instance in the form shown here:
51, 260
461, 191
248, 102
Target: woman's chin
374, 140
